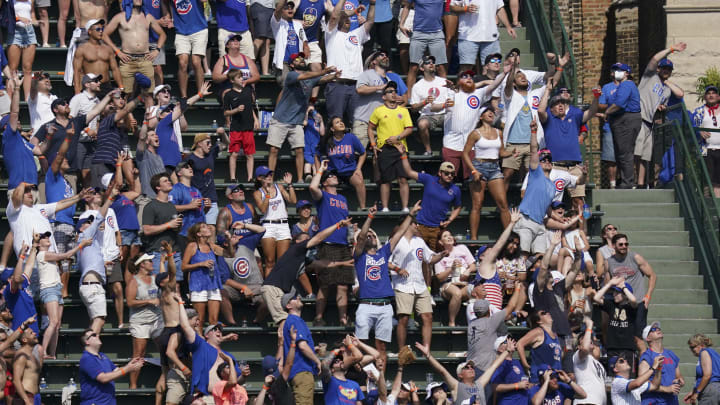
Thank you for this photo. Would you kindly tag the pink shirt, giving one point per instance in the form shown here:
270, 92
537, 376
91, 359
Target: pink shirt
459, 252
235, 396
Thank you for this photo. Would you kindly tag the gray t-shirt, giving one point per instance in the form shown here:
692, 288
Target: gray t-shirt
243, 267
367, 104
294, 100
464, 392
149, 164
629, 269
481, 336
157, 213
652, 93
146, 314
606, 251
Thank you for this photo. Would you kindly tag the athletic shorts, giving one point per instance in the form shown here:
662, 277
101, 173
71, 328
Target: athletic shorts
374, 317
244, 140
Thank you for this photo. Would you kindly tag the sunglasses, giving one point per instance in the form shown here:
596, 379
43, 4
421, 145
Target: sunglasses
495, 60
623, 244
447, 173
544, 313
428, 62
468, 367
165, 90
611, 228
654, 329
621, 361
389, 91
546, 160
99, 29
289, 7
466, 76
31, 188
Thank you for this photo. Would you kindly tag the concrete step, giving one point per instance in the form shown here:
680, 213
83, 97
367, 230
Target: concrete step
678, 309
633, 196
680, 282
641, 210
650, 238
687, 326
680, 340
664, 252
672, 295
645, 224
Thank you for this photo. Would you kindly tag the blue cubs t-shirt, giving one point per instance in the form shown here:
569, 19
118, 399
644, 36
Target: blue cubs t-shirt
188, 16
670, 364
301, 362
510, 372
56, 189
20, 302
310, 12
18, 155
627, 97
231, 15
169, 149
183, 195
331, 209
350, 6
204, 356
538, 195
92, 391
152, 7
561, 135
293, 43
373, 274
557, 397
436, 200
342, 392
125, 213
342, 154
428, 15
608, 92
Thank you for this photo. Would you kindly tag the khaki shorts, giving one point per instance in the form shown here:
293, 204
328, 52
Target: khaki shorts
177, 386
405, 302
136, 65
579, 190
143, 330
532, 235
521, 160
360, 129
93, 296
279, 132
430, 234
246, 44
315, 53
235, 295
272, 296
644, 142
303, 385
437, 121
194, 44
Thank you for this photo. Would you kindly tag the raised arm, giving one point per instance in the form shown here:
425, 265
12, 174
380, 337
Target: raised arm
187, 329
180, 109
370, 16
543, 106
652, 65
315, 191
325, 233
404, 225
334, 17
449, 379
362, 235
487, 374
534, 158
494, 251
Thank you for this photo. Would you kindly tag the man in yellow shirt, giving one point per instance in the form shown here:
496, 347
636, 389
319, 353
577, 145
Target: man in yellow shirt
392, 124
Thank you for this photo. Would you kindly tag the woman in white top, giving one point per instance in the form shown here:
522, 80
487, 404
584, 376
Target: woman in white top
270, 199
606, 250
23, 41
483, 150
51, 287
453, 272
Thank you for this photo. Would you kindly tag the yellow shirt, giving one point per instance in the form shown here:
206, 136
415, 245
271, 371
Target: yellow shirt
390, 122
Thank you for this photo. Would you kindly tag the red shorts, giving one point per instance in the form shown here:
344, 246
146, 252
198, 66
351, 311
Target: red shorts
455, 157
244, 140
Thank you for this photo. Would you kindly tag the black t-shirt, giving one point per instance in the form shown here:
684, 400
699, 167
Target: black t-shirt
553, 302
242, 121
621, 325
291, 264
59, 136
204, 173
280, 393
157, 213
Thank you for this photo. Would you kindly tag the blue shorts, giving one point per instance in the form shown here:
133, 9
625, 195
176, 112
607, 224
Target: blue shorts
129, 238
24, 37
311, 148
489, 170
608, 149
212, 214
51, 294
469, 50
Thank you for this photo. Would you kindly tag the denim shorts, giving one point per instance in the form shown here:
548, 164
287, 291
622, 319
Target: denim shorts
51, 294
489, 170
130, 238
24, 37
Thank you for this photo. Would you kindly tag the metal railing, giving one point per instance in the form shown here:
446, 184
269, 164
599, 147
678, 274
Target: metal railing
695, 195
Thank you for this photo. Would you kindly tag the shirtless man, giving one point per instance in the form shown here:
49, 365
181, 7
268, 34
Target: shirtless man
85, 11
136, 54
7, 341
95, 57
27, 364
171, 318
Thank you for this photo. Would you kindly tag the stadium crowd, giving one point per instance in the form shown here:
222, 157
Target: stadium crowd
145, 227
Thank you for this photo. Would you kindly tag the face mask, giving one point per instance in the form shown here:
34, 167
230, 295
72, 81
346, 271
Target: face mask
619, 75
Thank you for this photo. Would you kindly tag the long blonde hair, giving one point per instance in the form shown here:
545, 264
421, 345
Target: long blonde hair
700, 340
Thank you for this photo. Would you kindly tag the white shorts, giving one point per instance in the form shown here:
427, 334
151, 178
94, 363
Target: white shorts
141, 330
315, 53
194, 44
402, 38
277, 231
205, 296
375, 317
586, 255
93, 296
246, 44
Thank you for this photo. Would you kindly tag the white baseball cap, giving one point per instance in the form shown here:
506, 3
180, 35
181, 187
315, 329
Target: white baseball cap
106, 179
646, 331
157, 89
93, 22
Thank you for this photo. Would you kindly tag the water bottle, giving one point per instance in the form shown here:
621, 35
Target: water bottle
467, 234
214, 124
587, 213
429, 378
43, 384
71, 383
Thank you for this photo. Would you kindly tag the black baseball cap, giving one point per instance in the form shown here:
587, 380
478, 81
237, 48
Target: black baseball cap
493, 55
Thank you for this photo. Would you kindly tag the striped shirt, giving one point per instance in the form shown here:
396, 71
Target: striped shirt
462, 118
493, 289
109, 141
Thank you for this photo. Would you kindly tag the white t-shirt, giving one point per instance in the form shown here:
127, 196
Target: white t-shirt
40, 111
479, 26
410, 255
590, 375
82, 103
110, 248
26, 220
462, 118
562, 180
423, 88
620, 396
344, 51
534, 78
48, 272
707, 122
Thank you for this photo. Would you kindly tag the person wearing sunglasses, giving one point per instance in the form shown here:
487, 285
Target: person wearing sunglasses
707, 383
626, 391
96, 58
708, 116
671, 380
606, 247
428, 97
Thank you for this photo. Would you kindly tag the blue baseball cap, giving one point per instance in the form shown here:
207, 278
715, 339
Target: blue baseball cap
557, 204
262, 171
303, 203
621, 66
480, 251
81, 221
708, 88
270, 366
665, 62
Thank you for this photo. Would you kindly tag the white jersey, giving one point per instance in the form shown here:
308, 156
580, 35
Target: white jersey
481, 25
410, 255
344, 50
462, 118
276, 206
590, 375
515, 103
561, 179
424, 88
110, 248
24, 221
620, 395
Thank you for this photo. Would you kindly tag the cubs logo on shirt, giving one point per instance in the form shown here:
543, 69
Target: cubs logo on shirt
241, 267
155, 3
535, 102
111, 222
353, 39
419, 254
372, 273
559, 185
349, 6
310, 15
348, 392
183, 6
473, 102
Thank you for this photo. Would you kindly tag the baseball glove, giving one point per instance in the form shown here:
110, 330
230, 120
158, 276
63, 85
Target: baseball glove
405, 356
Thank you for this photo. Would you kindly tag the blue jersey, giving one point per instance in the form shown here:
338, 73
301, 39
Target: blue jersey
20, 302
204, 278
126, 214
608, 92
670, 364
627, 97
310, 12
342, 154
293, 43
183, 195
57, 188
18, 155
437, 200
510, 372
549, 353
556, 397
204, 358
168, 149
231, 15
246, 217
715, 362
350, 6
402, 88
301, 362
152, 7
92, 391
373, 274
561, 135
538, 196
339, 392
188, 16
331, 209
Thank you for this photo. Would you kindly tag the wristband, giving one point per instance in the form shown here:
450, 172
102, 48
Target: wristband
20, 329
41, 157
372, 144
22, 257
588, 330
672, 50
559, 69
517, 386
146, 123
338, 225
200, 95
350, 346
183, 369
465, 9
265, 387
647, 296
181, 302
403, 157
371, 216
293, 345
118, 164
117, 51
122, 371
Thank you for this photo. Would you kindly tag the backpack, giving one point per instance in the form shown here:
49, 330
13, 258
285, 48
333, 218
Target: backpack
668, 164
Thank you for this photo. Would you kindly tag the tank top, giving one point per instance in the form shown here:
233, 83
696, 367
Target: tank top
244, 68
606, 251
548, 353
145, 314
488, 148
570, 239
715, 361
276, 206
629, 269
126, 213
465, 392
48, 272
245, 217
203, 278
22, 9
493, 288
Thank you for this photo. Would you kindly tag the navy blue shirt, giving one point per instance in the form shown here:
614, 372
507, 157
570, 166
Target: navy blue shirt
168, 149
204, 172
342, 154
373, 274
428, 15
627, 97
109, 141
561, 135
311, 12
125, 213
557, 397
91, 390
437, 199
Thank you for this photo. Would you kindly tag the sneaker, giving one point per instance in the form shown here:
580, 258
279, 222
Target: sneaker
457, 354
319, 322
432, 301
310, 296
427, 153
406, 210
308, 178
386, 209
